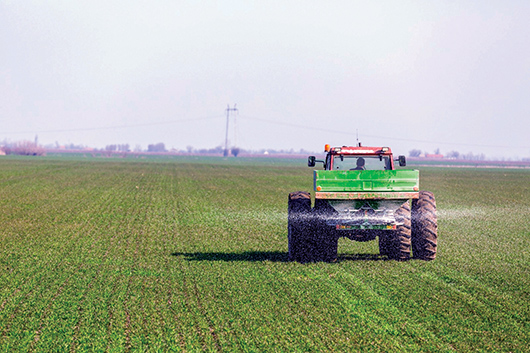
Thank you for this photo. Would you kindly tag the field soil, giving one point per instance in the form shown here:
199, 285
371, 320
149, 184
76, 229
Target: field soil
190, 254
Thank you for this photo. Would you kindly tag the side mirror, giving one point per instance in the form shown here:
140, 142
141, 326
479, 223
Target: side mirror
311, 161
402, 161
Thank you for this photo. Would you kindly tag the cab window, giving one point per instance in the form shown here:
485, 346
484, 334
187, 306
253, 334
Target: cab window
341, 162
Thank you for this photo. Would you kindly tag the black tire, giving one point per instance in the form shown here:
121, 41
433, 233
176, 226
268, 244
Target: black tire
384, 243
396, 244
424, 227
325, 240
299, 209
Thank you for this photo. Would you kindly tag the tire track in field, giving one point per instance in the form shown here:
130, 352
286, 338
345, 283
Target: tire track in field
136, 224
190, 308
191, 286
142, 310
377, 320
300, 309
126, 225
111, 318
487, 303
80, 308
182, 340
196, 301
170, 292
128, 345
132, 224
476, 306
110, 312
357, 299
156, 215
126, 307
228, 300
127, 323
143, 223
188, 304
202, 311
126, 304
207, 317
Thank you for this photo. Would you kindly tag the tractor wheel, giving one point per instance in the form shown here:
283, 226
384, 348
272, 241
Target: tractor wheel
396, 244
424, 227
326, 243
299, 209
384, 244
325, 240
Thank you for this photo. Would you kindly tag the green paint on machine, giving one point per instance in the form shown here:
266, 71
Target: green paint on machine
366, 181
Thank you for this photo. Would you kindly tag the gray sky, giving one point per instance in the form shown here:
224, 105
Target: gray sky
408, 74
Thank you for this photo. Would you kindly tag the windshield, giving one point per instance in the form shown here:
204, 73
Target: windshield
341, 162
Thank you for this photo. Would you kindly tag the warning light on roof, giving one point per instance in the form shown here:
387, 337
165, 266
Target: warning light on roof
327, 148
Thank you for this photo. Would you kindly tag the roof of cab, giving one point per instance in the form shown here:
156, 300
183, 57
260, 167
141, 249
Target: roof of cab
360, 150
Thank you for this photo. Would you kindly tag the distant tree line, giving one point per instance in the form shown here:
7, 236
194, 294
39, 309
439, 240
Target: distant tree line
24, 148
452, 155
158, 147
118, 148
414, 153
235, 151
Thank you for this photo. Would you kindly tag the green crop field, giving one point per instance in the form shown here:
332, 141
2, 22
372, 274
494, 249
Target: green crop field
185, 254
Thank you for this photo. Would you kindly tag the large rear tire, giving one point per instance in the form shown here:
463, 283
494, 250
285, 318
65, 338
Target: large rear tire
299, 209
424, 227
325, 240
396, 244
384, 244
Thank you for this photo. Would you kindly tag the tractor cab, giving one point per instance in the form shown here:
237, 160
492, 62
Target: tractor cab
357, 158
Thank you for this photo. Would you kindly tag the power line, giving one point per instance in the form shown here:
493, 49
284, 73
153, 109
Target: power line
115, 126
374, 136
281, 123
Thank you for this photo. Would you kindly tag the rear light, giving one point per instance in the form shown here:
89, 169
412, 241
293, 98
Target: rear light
319, 188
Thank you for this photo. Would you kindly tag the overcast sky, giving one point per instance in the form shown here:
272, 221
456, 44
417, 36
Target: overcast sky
453, 75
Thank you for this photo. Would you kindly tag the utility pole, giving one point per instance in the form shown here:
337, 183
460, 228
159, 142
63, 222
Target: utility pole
228, 110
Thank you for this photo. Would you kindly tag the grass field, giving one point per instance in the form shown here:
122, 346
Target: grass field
191, 255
